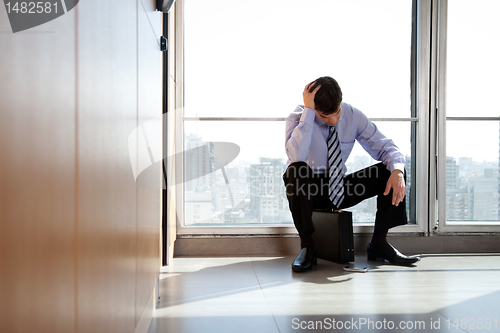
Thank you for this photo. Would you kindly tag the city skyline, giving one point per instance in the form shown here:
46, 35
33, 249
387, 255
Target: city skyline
253, 193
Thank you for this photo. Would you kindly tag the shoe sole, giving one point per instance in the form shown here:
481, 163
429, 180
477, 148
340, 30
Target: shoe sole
372, 257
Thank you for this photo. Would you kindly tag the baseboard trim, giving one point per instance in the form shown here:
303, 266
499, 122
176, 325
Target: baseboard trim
147, 315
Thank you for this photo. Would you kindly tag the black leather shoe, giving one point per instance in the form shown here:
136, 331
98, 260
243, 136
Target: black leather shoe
305, 260
389, 253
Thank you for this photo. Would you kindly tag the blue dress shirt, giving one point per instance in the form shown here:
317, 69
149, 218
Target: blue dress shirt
306, 139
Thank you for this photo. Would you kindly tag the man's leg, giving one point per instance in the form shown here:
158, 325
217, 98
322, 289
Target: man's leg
367, 183
305, 191
370, 182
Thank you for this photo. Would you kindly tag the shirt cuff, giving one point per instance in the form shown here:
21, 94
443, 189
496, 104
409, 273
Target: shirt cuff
397, 166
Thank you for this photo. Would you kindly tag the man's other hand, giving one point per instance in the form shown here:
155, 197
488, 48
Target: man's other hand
397, 183
309, 96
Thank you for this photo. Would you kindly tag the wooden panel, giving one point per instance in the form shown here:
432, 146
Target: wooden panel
150, 107
37, 185
79, 240
107, 106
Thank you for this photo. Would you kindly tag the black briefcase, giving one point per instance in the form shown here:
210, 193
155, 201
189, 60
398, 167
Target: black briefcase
333, 236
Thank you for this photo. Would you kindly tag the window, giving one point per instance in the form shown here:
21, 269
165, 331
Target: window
245, 65
470, 117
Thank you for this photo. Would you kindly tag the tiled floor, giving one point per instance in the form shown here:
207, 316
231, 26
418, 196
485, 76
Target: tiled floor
262, 294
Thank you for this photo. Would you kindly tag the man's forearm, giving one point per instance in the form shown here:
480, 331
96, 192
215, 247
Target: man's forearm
299, 136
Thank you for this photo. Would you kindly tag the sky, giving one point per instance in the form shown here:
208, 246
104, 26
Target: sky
473, 72
253, 59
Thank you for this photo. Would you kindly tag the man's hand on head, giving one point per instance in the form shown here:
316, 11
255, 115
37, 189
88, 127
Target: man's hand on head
309, 96
396, 182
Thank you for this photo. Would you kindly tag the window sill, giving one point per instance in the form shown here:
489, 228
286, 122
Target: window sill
285, 244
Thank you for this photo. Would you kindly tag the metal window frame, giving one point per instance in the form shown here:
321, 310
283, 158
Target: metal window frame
422, 99
420, 128
440, 223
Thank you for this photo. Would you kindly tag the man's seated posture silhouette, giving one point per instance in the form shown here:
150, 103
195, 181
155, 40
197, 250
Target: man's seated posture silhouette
319, 138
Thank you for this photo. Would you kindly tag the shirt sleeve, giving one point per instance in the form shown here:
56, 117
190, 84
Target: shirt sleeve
377, 145
299, 127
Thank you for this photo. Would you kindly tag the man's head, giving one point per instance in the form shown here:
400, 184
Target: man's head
328, 97
327, 100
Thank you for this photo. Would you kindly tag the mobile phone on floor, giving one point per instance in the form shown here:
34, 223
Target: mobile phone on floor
356, 269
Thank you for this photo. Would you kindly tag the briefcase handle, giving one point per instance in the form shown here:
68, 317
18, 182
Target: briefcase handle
329, 210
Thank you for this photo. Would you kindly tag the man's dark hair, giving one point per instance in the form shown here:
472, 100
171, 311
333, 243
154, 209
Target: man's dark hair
328, 97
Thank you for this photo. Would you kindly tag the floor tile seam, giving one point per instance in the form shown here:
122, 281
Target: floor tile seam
222, 290
265, 298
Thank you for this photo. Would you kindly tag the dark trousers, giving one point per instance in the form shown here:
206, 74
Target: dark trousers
307, 191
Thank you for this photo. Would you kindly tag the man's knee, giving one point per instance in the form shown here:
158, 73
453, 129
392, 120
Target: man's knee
297, 170
384, 173
299, 182
377, 171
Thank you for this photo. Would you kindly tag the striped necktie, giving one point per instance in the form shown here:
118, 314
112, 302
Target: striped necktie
335, 170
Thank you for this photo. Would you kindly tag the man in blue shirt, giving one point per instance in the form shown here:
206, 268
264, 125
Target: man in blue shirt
320, 136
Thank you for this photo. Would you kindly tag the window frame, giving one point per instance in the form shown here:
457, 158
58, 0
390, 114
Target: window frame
421, 46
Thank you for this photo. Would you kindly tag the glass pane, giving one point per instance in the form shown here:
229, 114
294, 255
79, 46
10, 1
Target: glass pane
472, 171
473, 54
253, 58
250, 190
